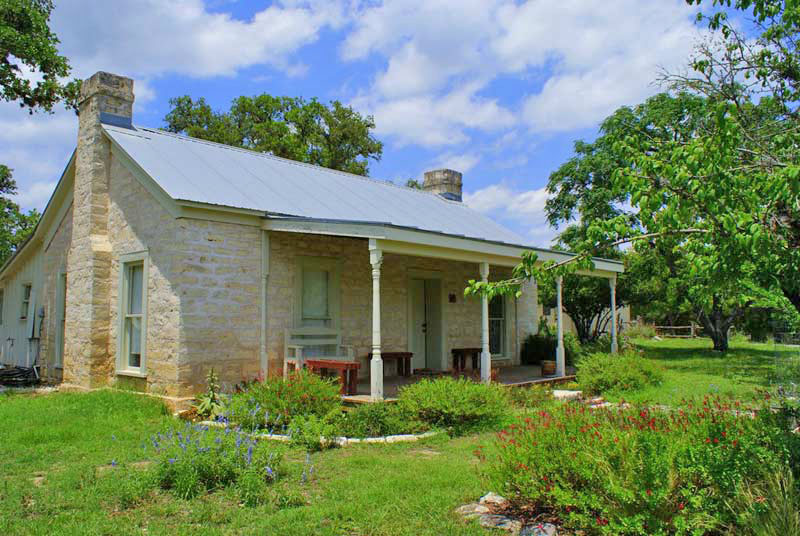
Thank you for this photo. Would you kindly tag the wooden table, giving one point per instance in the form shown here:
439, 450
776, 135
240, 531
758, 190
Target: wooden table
348, 372
403, 361
460, 358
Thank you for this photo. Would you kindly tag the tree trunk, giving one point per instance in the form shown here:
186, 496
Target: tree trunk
717, 324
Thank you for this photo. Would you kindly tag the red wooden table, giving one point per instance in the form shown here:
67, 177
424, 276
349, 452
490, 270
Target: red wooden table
460, 358
348, 372
403, 361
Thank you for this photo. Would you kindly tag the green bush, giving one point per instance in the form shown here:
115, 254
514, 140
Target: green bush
639, 331
380, 419
534, 396
458, 406
601, 372
196, 459
637, 471
271, 404
542, 347
312, 432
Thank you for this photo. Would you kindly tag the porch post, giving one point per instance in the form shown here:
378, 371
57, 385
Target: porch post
612, 281
560, 357
376, 364
486, 357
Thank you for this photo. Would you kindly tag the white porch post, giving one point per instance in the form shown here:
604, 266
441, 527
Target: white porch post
612, 282
560, 357
486, 356
376, 364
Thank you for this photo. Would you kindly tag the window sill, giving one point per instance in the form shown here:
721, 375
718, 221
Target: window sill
132, 373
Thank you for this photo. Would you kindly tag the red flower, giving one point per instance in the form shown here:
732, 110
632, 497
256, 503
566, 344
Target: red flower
681, 506
649, 493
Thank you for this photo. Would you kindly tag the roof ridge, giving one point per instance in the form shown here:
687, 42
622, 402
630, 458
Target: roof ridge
290, 161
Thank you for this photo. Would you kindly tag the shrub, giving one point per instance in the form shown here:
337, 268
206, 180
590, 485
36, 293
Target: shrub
381, 419
273, 403
313, 433
534, 396
637, 471
601, 372
639, 331
542, 347
456, 405
196, 459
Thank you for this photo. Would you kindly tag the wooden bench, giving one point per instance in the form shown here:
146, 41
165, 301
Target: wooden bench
302, 344
347, 370
403, 361
460, 358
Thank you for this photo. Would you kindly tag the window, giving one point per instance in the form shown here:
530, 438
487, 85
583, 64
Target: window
497, 326
26, 301
2, 303
133, 311
317, 292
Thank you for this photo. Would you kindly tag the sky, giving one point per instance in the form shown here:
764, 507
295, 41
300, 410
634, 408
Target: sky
498, 90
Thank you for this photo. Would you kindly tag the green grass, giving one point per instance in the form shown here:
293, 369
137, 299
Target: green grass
70, 440
693, 370
399, 489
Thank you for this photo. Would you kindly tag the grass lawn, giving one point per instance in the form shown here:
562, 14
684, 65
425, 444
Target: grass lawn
693, 370
56, 453
70, 440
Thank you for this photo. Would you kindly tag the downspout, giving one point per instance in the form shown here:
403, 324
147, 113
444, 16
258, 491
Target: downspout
264, 360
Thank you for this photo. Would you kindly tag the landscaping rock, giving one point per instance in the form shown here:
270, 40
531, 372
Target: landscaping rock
561, 394
539, 529
493, 499
472, 510
493, 521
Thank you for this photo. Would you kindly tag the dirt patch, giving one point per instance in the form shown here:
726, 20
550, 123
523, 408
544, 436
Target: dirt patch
425, 453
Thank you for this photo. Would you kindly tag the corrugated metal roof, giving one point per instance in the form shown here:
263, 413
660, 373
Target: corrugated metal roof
189, 169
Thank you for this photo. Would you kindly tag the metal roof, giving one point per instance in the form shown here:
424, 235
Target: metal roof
189, 169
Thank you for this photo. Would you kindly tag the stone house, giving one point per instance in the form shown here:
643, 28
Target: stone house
160, 256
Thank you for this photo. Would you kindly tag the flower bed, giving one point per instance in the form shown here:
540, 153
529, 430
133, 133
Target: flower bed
639, 471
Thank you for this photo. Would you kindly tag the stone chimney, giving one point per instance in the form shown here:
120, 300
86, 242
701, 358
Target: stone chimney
445, 182
88, 360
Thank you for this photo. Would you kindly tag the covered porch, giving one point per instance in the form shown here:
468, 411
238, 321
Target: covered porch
380, 387
380, 291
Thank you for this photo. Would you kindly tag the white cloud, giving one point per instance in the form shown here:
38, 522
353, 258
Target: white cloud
35, 195
590, 58
149, 38
523, 209
459, 162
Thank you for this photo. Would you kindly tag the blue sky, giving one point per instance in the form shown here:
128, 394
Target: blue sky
496, 89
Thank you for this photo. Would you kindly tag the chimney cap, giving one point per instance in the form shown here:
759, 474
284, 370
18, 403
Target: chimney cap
104, 83
444, 182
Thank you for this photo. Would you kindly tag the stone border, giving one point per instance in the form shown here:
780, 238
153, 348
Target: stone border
340, 441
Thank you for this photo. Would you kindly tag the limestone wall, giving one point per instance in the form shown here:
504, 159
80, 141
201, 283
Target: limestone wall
54, 263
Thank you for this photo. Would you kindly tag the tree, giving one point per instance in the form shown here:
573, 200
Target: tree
414, 183
15, 226
27, 43
28, 51
696, 178
334, 136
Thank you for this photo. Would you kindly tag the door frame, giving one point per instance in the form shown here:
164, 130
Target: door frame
414, 273
61, 310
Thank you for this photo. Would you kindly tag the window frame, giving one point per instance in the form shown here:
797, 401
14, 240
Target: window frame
25, 304
505, 335
125, 263
333, 266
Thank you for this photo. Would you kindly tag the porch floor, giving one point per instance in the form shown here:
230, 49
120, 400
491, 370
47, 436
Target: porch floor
520, 375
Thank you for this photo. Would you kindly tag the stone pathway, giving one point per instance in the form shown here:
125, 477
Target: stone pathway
485, 511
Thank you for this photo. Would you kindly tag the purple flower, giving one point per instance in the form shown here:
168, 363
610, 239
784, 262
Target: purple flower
172, 460
270, 472
113, 463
